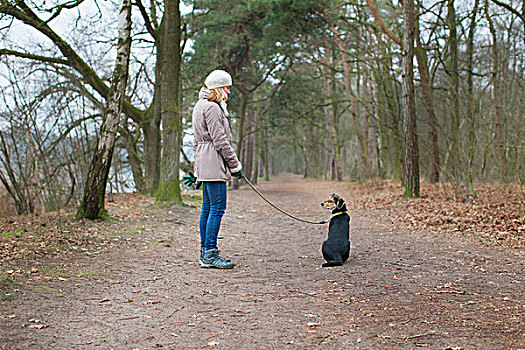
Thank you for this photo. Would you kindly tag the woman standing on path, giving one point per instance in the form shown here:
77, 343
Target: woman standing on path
215, 163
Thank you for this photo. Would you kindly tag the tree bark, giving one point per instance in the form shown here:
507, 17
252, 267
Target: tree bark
453, 72
169, 60
256, 149
92, 206
411, 163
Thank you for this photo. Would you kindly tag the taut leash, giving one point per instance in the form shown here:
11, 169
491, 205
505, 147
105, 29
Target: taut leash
282, 211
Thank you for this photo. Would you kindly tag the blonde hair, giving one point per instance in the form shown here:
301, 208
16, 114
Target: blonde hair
217, 95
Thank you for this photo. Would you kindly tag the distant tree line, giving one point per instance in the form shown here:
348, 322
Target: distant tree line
357, 90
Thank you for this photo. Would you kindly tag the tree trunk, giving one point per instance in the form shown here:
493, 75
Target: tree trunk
266, 155
411, 164
152, 149
471, 104
256, 149
92, 206
498, 127
455, 156
169, 59
371, 126
422, 64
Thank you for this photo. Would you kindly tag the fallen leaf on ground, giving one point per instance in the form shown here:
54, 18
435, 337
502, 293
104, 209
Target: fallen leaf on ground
38, 326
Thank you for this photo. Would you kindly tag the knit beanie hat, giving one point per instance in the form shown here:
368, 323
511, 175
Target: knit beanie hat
218, 78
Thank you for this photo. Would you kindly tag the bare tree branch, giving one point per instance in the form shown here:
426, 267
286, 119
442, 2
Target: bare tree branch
147, 21
510, 8
66, 132
67, 5
381, 24
34, 57
22, 12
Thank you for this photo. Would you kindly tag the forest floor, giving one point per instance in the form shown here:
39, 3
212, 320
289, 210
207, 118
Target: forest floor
432, 273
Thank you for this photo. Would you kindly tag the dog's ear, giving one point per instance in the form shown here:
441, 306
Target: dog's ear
340, 203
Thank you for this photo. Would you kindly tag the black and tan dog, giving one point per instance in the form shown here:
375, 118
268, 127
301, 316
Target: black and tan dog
336, 248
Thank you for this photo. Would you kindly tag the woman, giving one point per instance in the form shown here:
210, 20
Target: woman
215, 163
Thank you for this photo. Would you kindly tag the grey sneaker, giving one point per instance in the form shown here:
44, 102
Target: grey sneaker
211, 258
200, 259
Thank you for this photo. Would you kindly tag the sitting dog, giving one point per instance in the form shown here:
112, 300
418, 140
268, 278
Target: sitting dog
336, 248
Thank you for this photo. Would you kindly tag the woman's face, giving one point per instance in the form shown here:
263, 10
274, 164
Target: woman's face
227, 89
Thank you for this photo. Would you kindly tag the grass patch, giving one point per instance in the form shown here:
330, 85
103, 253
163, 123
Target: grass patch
49, 290
85, 273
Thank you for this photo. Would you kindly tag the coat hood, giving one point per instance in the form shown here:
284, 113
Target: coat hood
204, 93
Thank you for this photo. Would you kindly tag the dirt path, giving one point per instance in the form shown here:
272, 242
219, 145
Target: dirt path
398, 290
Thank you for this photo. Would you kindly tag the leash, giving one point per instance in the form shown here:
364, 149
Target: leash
285, 213
304, 220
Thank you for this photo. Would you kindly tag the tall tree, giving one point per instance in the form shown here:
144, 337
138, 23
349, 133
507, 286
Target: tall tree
92, 205
411, 163
471, 109
453, 88
169, 66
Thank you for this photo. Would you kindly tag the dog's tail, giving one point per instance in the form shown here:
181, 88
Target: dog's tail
332, 263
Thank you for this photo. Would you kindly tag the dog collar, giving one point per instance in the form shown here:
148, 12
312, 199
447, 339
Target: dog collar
331, 217
334, 215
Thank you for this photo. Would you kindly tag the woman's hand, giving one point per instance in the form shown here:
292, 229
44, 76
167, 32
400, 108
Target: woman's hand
191, 180
239, 174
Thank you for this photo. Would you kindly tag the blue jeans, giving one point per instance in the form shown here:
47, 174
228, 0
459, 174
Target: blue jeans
213, 208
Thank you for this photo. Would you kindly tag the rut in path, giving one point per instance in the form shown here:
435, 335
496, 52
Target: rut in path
398, 290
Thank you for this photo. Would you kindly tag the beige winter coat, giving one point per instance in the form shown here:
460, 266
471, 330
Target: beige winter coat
215, 158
